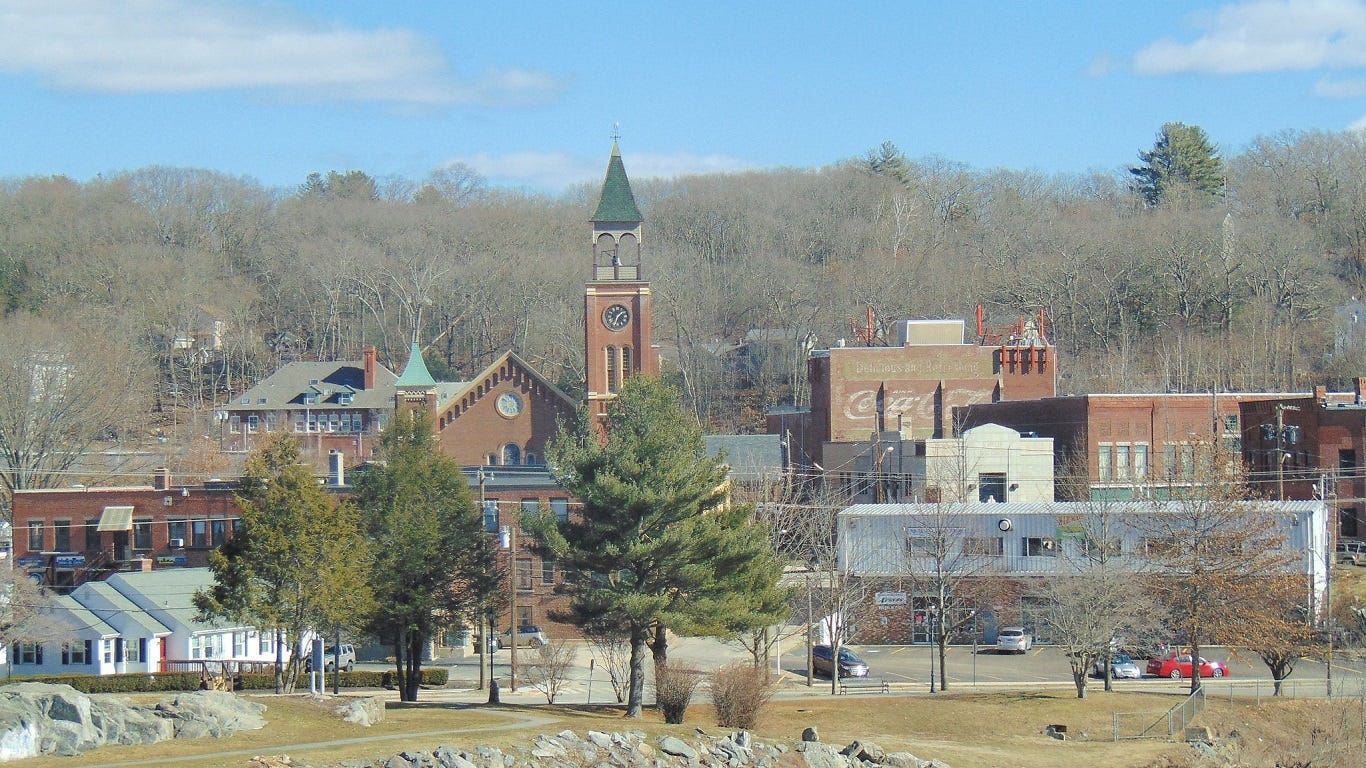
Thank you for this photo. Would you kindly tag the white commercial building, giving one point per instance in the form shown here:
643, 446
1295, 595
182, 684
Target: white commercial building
1020, 541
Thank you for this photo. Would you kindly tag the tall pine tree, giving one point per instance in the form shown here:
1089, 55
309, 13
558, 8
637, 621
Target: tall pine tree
1182, 160
296, 564
655, 544
434, 566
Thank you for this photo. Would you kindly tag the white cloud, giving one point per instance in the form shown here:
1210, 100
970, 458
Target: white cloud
1265, 36
171, 46
1340, 89
557, 171
1358, 125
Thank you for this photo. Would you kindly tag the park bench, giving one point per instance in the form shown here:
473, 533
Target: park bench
864, 684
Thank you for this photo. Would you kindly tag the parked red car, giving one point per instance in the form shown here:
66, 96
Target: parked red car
1177, 666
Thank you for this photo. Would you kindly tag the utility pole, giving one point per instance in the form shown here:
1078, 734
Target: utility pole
1282, 435
485, 636
510, 542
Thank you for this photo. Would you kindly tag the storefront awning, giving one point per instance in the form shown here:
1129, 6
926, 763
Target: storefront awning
116, 519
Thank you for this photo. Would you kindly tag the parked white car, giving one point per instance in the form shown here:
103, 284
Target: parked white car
1013, 640
527, 635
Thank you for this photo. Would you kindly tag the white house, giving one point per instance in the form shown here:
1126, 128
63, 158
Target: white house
140, 639
136, 622
167, 596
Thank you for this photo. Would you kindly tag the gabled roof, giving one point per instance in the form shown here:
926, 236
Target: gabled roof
616, 204
415, 373
168, 595
448, 392
329, 380
78, 618
103, 600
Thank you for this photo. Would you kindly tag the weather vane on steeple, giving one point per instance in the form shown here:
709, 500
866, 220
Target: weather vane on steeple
616, 131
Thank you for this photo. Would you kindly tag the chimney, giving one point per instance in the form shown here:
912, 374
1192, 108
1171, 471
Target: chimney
1321, 395
1359, 384
161, 481
336, 468
370, 367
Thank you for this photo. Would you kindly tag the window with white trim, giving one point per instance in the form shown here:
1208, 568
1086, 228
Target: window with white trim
28, 653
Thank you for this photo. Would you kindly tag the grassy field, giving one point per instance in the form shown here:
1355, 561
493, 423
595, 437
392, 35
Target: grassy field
964, 730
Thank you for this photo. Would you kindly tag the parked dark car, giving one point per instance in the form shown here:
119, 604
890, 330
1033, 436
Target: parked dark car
850, 664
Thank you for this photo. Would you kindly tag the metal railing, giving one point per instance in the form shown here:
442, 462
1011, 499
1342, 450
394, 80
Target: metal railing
1170, 723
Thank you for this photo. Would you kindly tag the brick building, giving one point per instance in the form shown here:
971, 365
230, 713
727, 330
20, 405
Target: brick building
74, 535
1308, 447
337, 406
866, 396
1114, 446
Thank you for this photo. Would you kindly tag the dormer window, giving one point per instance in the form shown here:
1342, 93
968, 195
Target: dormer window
345, 398
310, 398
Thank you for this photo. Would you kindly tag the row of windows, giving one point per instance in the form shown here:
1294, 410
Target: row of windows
559, 507
1129, 462
200, 533
211, 646
79, 653
1030, 545
511, 455
305, 422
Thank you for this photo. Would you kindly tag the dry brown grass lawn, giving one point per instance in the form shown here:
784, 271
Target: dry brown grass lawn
963, 730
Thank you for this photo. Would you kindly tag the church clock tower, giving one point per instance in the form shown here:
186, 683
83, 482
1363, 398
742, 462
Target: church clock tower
617, 313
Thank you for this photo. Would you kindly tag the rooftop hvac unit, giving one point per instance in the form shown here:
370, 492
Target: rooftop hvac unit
176, 543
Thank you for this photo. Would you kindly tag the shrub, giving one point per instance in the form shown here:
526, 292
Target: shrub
739, 692
673, 691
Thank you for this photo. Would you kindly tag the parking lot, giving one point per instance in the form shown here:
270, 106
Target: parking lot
908, 669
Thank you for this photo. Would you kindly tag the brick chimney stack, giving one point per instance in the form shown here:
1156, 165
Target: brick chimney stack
370, 367
1359, 385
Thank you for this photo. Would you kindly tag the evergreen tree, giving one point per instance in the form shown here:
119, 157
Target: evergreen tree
434, 566
655, 546
296, 564
1181, 159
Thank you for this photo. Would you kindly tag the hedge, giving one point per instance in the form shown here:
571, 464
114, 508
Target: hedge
189, 681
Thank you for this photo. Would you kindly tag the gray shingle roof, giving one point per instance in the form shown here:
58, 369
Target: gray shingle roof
329, 380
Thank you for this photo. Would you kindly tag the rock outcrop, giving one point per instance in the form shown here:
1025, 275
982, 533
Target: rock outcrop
44, 719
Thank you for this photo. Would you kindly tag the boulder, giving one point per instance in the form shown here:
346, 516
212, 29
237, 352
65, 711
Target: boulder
819, 755
810, 734
671, 745
118, 722
362, 711
211, 713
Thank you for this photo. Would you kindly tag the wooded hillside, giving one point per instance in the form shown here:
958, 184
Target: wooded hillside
1228, 287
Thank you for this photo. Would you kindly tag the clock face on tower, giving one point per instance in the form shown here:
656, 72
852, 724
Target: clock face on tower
616, 317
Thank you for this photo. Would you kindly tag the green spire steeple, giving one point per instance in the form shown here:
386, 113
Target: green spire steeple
617, 204
415, 373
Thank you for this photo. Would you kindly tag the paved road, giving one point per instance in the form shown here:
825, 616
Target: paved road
909, 668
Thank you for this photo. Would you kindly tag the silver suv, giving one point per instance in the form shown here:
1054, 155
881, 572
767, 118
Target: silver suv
330, 657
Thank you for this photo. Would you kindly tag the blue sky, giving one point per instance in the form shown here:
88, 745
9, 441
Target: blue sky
528, 93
